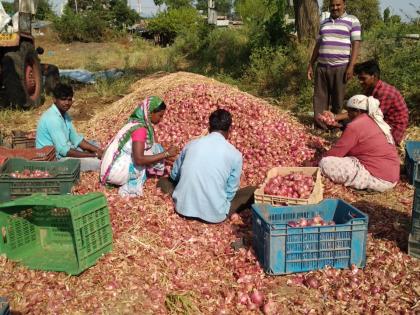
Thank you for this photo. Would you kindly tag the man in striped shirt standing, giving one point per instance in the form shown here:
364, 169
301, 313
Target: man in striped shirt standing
335, 52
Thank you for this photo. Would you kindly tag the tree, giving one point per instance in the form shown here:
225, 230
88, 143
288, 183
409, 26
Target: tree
265, 21
9, 7
222, 6
174, 4
44, 11
307, 19
387, 15
168, 25
367, 11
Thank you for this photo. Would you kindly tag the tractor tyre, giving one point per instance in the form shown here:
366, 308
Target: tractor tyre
15, 93
32, 75
22, 77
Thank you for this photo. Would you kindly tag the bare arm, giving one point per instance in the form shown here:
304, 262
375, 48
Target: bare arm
314, 57
341, 116
355, 49
80, 154
140, 159
86, 146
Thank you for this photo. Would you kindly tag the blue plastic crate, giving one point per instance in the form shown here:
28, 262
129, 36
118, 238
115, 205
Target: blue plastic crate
282, 249
4, 306
412, 158
415, 215
414, 246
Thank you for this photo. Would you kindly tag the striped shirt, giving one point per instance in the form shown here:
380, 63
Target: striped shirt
336, 36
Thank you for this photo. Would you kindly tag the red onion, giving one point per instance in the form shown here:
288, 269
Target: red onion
269, 308
257, 297
311, 282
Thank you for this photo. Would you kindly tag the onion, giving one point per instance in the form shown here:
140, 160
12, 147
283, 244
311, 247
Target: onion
257, 297
311, 282
317, 219
269, 308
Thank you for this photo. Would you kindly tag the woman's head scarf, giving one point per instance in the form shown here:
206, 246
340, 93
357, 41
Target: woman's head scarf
371, 105
141, 115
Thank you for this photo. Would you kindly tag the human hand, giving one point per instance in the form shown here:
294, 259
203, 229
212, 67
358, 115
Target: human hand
99, 153
310, 72
328, 118
349, 73
173, 151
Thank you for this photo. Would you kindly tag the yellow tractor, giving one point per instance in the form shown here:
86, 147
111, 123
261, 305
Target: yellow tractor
21, 70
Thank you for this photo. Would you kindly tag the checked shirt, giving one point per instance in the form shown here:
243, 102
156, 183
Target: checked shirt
393, 107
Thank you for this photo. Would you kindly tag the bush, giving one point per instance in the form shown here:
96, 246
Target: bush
226, 51
396, 57
175, 22
85, 27
94, 21
279, 71
44, 11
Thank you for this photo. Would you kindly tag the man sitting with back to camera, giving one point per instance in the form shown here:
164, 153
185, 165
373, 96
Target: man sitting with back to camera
55, 128
207, 175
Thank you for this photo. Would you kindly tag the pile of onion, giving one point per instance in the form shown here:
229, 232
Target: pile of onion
315, 221
30, 174
265, 136
294, 185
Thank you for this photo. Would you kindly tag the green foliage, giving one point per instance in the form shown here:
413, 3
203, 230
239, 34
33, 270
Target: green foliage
367, 11
109, 87
265, 22
94, 20
279, 71
174, 4
396, 56
226, 51
223, 7
8, 7
92, 64
44, 11
85, 27
120, 14
175, 22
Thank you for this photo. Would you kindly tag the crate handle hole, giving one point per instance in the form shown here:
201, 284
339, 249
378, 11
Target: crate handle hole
3, 234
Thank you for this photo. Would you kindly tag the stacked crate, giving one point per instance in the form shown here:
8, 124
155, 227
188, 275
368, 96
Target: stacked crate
282, 248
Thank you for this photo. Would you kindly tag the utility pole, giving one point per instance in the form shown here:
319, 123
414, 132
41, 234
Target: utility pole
212, 13
139, 3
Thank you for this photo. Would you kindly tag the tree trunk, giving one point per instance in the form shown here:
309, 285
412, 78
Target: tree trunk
306, 19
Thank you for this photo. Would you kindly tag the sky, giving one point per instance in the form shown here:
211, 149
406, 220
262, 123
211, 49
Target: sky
148, 8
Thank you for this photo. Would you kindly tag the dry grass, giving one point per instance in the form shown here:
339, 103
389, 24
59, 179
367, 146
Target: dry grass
129, 52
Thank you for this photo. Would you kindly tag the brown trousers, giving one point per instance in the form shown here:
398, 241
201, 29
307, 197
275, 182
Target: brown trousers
243, 199
329, 89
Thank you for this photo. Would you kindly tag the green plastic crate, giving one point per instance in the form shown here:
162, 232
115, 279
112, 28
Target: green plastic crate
4, 306
64, 175
56, 233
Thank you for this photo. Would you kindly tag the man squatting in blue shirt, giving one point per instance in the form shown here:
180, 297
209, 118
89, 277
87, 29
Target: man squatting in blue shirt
55, 128
205, 178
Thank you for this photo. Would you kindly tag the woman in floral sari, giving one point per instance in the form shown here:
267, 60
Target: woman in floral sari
133, 152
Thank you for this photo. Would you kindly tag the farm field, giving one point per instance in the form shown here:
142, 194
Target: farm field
162, 263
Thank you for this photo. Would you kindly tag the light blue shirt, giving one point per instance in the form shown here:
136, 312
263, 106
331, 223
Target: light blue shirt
58, 131
207, 173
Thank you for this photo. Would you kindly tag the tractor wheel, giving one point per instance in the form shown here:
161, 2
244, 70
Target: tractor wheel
22, 77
